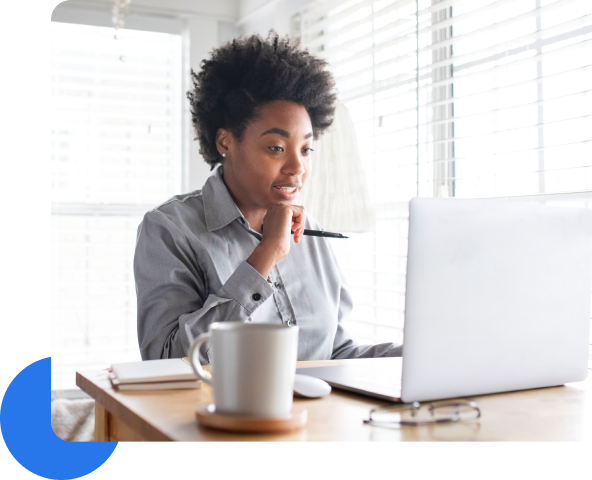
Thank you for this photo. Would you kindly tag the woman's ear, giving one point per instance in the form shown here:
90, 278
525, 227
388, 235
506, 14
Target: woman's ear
223, 141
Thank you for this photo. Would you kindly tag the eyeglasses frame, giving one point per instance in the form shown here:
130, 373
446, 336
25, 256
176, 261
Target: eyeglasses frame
414, 407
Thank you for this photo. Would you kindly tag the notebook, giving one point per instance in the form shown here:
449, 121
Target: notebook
166, 374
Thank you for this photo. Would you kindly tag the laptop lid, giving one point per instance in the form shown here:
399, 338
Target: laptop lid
497, 297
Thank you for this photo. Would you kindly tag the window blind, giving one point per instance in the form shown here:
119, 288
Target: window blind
454, 98
115, 154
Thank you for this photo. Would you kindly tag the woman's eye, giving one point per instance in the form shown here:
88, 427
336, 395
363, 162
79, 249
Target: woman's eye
276, 149
308, 150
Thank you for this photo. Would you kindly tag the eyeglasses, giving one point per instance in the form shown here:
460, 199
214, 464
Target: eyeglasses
415, 415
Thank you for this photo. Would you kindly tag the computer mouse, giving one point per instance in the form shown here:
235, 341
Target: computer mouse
310, 387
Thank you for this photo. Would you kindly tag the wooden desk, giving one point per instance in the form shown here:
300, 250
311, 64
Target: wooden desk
550, 414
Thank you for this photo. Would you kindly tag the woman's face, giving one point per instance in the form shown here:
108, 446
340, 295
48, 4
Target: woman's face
273, 159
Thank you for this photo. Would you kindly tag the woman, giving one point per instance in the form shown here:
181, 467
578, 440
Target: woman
225, 253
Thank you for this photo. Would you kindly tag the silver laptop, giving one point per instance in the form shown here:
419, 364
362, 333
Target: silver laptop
497, 299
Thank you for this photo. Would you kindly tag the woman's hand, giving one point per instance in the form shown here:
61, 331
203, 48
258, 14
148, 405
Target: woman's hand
278, 224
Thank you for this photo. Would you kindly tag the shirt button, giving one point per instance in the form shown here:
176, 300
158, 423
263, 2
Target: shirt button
290, 323
277, 285
256, 297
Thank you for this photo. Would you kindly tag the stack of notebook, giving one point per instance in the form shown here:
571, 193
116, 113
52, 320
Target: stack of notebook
167, 374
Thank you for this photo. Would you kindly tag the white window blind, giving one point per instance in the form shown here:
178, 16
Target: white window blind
459, 98
115, 154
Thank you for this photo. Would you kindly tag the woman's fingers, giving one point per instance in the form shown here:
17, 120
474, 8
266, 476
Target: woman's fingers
298, 218
280, 219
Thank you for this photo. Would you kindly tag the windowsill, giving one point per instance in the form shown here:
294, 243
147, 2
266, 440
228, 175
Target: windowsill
70, 394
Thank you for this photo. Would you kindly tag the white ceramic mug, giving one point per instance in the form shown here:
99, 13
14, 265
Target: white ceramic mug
253, 367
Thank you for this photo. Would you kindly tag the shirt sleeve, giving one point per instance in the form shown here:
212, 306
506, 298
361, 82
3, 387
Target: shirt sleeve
344, 346
174, 305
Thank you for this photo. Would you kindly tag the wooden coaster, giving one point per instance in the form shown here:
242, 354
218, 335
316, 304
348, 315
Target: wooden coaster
207, 417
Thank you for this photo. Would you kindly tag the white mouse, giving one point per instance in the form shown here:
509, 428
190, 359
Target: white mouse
310, 387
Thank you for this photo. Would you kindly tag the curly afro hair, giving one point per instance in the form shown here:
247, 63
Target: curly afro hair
247, 73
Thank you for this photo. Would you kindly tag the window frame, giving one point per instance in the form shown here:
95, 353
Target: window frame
183, 135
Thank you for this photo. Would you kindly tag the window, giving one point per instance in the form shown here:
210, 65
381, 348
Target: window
115, 154
454, 98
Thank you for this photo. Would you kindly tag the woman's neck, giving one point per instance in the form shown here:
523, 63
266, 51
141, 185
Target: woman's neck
254, 215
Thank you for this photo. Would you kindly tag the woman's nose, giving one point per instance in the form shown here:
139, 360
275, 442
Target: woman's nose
294, 165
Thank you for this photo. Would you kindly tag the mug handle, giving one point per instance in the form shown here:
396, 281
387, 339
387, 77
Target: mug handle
194, 358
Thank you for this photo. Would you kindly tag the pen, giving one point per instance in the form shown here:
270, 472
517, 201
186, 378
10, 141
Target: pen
318, 233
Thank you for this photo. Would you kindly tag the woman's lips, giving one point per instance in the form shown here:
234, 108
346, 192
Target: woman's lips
286, 193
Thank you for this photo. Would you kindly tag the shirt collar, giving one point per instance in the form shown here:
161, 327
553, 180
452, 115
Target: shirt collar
219, 207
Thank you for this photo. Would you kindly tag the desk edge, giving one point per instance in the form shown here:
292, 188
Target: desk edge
123, 413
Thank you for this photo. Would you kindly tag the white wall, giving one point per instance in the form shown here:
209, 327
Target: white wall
204, 24
203, 37
260, 16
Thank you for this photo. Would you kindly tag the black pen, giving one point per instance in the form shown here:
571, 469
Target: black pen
318, 233
322, 233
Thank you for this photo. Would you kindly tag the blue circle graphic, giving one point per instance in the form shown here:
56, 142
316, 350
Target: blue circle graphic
25, 420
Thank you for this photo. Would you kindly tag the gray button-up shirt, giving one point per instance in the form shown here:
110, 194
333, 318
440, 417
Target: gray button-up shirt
190, 270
